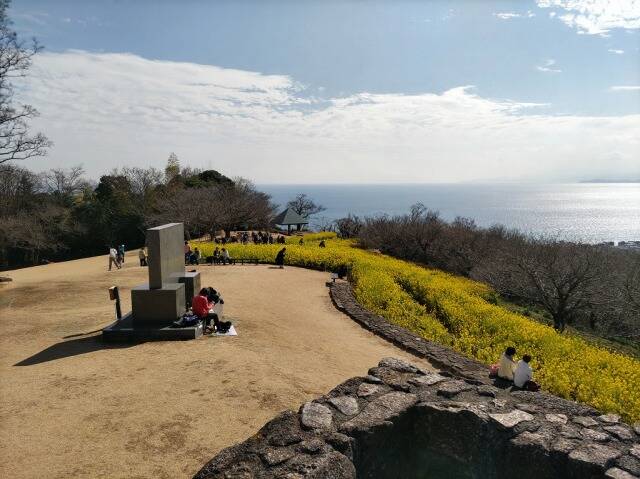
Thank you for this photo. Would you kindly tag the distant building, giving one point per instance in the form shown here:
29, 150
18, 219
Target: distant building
290, 218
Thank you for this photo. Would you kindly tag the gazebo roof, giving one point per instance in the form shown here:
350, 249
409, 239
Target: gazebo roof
290, 217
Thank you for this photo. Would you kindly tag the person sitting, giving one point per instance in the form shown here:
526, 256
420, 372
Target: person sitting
200, 305
216, 255
523, 376
187, 252
507, 364
194, 259
226, 259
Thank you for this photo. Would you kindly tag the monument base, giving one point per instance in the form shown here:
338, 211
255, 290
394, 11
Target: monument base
126, 329
191, 281
153, 306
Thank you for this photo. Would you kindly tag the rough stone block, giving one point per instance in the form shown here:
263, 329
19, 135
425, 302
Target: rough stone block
157, 305
166, 254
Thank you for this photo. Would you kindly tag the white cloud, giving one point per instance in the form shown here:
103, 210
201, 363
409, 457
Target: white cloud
510, 15
617, 52
626, 88
596, 17
107, 110
507, 15
547, 67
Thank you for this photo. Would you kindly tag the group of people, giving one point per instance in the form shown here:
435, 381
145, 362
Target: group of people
220, 256
191, 257
520, 373
203, 305
116, 256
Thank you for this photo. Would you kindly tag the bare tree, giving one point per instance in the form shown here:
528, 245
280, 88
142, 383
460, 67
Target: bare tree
349, 226
561, 278
15, 59
65, 184
305, 206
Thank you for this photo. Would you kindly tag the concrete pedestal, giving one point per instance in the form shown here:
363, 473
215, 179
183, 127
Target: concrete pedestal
158, 305
192, 286
127, 330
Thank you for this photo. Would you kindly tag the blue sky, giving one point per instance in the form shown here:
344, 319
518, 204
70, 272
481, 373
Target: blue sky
392, 59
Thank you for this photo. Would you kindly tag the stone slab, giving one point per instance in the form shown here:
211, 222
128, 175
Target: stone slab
158, 305
191, 281
165, 245
124, 330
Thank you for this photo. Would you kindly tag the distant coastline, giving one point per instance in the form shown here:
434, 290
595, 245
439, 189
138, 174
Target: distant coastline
597, 180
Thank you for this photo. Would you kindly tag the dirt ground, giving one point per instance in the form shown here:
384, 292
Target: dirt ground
71, 406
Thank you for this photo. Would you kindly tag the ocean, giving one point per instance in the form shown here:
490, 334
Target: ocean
588, 212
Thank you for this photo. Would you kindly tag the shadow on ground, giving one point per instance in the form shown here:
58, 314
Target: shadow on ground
74, 347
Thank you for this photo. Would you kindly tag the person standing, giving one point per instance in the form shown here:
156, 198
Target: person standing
280, 257
121, 253
113, 258
142, 255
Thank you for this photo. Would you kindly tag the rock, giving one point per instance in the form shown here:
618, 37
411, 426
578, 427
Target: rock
275, 456
530, 408
499, 403
346, 405
316, 416
595, 435
629, 464
616, 473
399, 365
487, 391
373, 379
635, 450
320, 466
341, 443
285, 438
585, 421
380, 410
621, 432
595, 454
564, 446
527, 438
366, 390
428, 379
570, 432
313, 446
636, 428
556, 418
609, 418
511, 419
453, 388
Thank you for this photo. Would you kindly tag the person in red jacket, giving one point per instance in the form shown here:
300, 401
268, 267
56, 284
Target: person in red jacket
201, 307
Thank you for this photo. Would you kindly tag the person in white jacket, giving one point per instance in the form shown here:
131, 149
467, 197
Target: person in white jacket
523, 376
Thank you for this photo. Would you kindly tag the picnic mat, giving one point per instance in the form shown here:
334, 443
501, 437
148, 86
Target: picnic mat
231, 332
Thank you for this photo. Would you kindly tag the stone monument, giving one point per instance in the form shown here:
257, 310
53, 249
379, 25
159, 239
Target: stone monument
157, 304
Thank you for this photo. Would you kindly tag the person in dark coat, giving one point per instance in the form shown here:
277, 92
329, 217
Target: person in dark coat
280, 257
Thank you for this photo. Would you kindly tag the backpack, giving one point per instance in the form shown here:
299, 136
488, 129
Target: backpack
223, 327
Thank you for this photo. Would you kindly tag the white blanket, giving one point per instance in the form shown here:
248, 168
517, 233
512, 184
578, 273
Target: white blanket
231, 332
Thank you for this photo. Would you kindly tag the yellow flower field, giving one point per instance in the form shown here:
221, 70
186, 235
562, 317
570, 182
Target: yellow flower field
460, 313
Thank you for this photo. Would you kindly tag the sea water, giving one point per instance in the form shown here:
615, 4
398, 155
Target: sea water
589, 212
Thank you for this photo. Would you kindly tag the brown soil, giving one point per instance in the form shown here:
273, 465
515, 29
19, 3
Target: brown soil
71, 406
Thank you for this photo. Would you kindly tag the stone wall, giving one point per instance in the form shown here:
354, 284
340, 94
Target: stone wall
402, 422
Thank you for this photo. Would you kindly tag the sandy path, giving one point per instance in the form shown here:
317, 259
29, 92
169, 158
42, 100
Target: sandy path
73, 406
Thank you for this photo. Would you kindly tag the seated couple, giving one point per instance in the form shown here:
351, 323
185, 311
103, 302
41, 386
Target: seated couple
202, 306
521, 373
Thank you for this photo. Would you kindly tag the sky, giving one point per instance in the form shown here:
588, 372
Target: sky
349, 91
